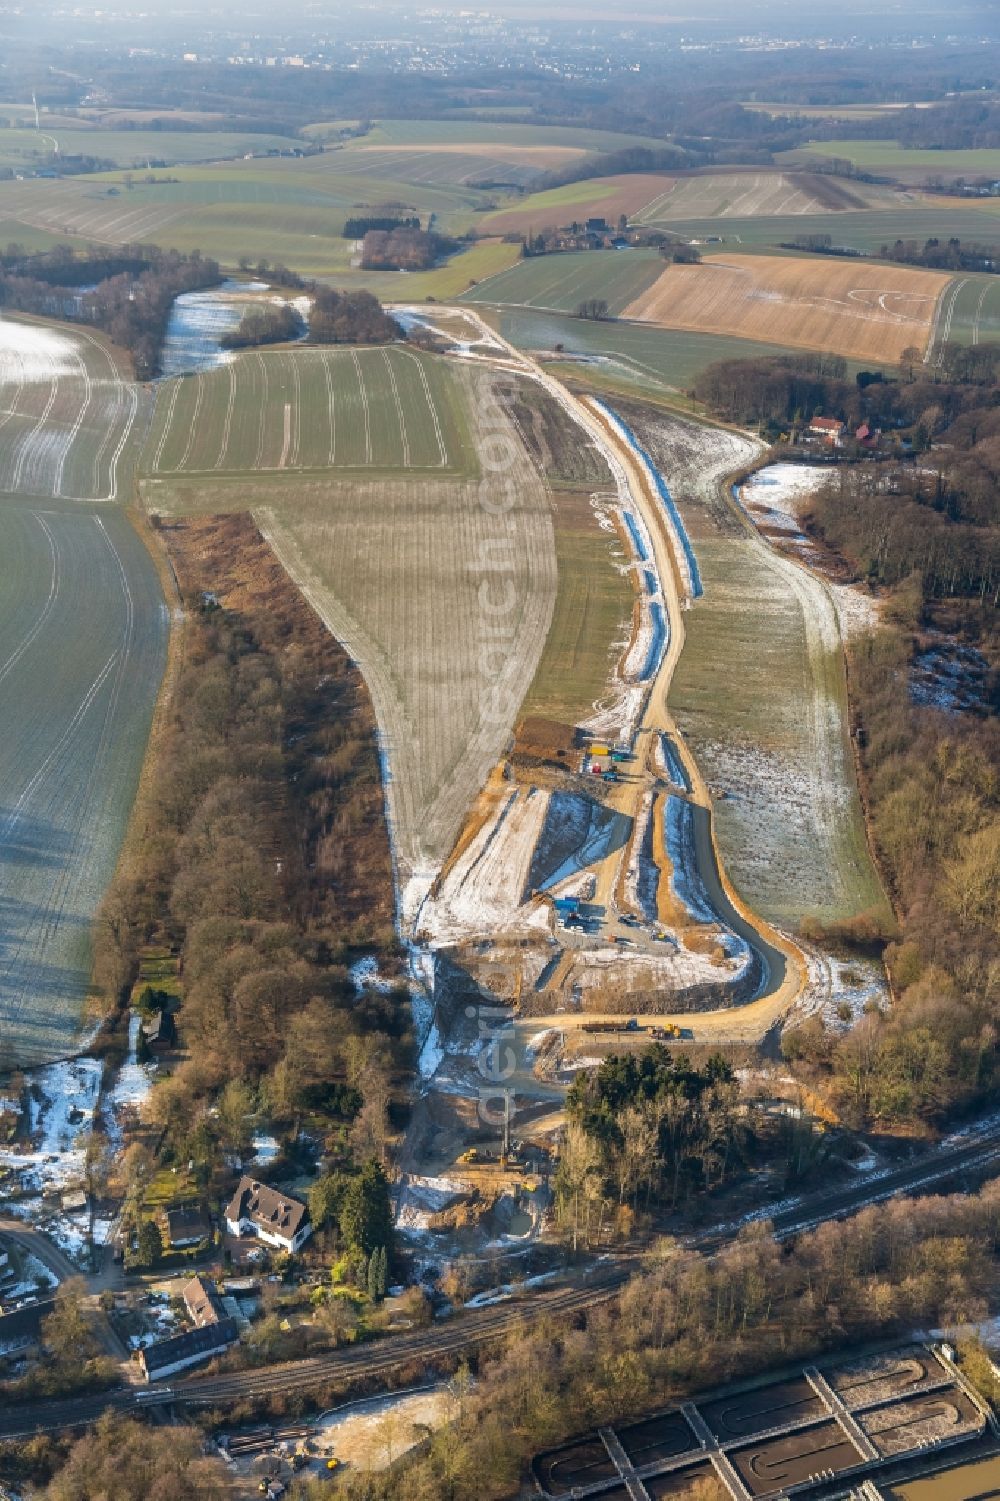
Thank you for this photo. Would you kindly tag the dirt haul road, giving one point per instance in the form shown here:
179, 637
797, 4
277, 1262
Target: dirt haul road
785, 962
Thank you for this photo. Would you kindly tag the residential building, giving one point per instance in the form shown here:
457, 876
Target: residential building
275, 1218
168, 1356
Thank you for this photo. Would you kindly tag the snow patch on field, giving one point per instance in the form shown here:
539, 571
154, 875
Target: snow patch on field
371, 1434
419, 1198
841, 991
483, 891
131, 1087
41, 354
775, 498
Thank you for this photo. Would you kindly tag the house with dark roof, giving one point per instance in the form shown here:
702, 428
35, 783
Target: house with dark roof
160, 1031
202, 1302
275, 1218
187, 1226
168, 1356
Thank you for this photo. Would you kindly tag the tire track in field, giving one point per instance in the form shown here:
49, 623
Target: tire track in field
126, 395
12, 409
331, 410
198, 398
295, 435
25, 447
432, 410
39, 624
52, 914
227, 425
941, 326
74, 431
14, 816
132, 397
258, 461
168, 418
987, 287
404, 438
362, 391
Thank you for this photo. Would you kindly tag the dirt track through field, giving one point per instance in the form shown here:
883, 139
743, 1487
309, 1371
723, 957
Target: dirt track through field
855, 308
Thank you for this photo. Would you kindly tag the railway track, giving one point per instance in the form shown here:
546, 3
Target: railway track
439, 1340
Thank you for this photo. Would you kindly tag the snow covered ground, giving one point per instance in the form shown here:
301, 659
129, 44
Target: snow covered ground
130, 1089
483, 891
418, 1198
38, 353
372, 1434
775, 498
841, 990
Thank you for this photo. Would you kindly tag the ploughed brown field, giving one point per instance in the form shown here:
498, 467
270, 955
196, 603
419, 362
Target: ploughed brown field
864, 310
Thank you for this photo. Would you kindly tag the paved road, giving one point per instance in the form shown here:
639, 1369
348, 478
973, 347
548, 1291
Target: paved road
470, 1329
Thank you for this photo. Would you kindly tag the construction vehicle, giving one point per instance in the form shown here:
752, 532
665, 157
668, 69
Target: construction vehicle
631, 1025
472, 1155
668, 1030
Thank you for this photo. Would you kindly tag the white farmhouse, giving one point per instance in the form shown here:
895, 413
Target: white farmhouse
272, 1217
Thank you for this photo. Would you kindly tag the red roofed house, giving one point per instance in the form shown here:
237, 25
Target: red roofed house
830, 428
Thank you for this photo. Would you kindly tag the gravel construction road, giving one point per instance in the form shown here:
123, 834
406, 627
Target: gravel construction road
83, 635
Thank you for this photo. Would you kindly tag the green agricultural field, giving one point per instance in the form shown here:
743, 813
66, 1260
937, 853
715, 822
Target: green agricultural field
972, 315
83, 633
557, 283
591, 619
405, 559
624, 356
301, 409
68, 419
888, 157
21, 147
488, 133
918, 219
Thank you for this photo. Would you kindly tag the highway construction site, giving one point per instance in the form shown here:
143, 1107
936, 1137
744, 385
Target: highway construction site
814, 1433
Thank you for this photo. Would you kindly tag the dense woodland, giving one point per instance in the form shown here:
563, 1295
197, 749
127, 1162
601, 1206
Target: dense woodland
272, 324
926, 533
403, 249
262, 860
646, 1129
131, 301
350, 318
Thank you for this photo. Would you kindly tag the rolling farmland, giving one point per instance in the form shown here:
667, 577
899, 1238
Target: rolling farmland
728, 195
632, 356
67, 417
904, 163
310, 409
558, 283
24, 148
628, 193
860, 310
82, 646
394, 560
